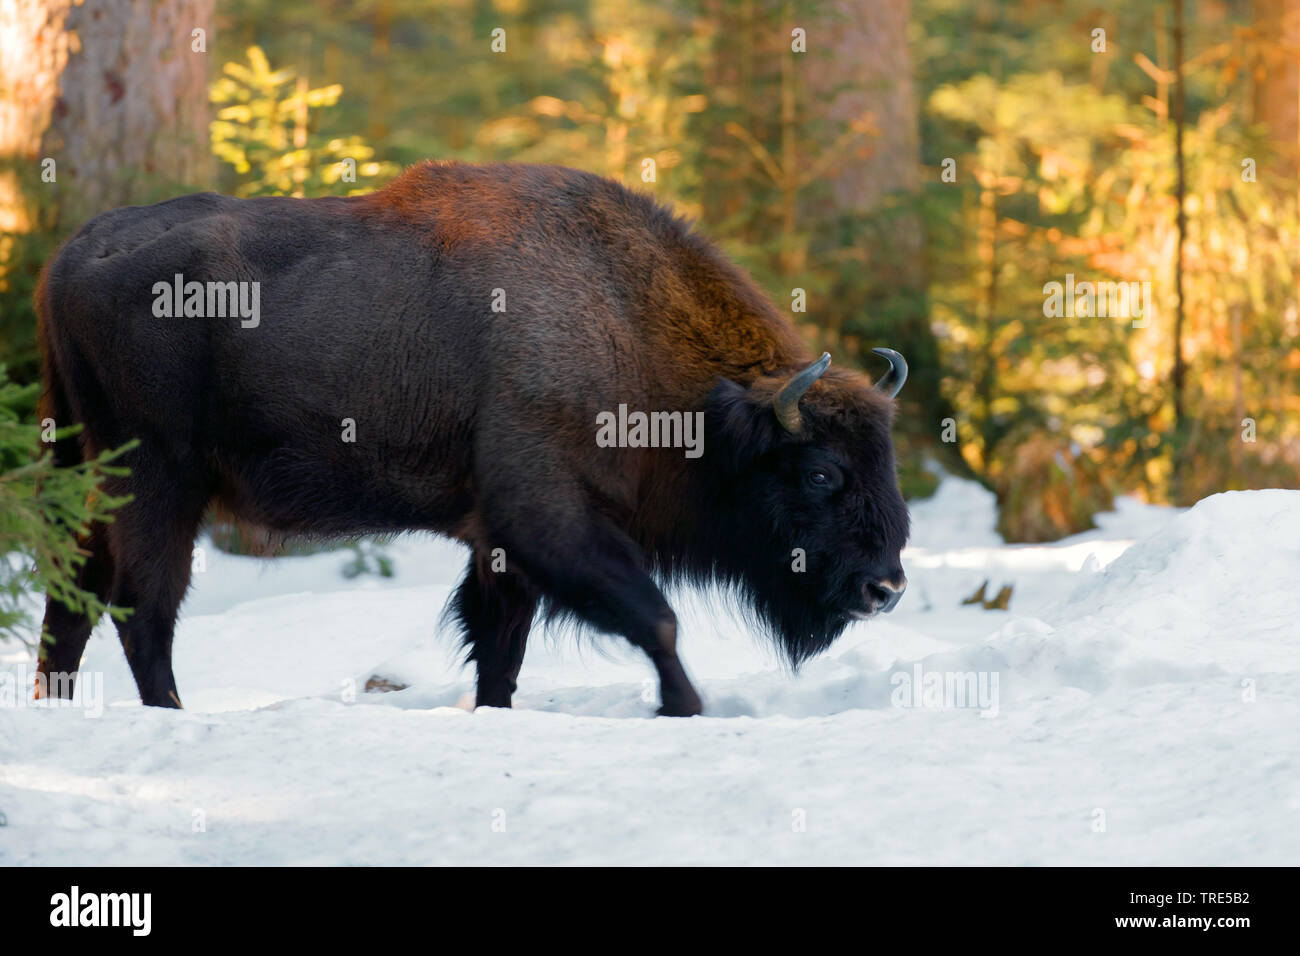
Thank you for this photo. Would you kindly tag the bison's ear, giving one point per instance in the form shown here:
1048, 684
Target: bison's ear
737, 428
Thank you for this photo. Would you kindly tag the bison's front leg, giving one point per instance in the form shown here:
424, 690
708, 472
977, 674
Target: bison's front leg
496, 610
607, 586
679, 698
636, 609
601, 579
596, 571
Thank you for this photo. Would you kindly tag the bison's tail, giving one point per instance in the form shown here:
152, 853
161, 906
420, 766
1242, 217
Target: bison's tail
54, 404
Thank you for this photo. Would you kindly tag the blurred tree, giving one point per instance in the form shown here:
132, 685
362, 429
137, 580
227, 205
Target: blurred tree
263, 131
1024, 188
1035, 198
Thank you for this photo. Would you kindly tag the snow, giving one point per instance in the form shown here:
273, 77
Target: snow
1138, 704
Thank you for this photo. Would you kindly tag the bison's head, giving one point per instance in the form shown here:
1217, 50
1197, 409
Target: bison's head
809, 516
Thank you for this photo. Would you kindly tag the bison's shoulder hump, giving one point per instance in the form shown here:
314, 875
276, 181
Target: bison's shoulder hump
530, 190
119, 232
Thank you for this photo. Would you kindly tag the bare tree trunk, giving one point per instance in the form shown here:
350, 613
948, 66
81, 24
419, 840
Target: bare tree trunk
1238, 396
793, 256
869, 71
1180, 120
1277, 78
988, 259
379, 49
113, 92
102, 103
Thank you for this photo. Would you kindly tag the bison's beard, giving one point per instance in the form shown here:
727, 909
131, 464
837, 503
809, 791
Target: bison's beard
792, 609
799, 612
801, 630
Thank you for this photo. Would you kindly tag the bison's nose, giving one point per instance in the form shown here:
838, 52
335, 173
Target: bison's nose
886, 594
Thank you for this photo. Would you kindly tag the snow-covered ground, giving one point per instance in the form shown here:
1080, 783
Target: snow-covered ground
1139, 703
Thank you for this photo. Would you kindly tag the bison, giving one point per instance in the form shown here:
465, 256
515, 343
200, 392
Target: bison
442, 355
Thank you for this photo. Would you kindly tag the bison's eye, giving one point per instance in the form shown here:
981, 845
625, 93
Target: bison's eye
822, 478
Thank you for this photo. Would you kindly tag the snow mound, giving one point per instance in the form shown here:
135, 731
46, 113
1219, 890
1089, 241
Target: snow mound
1212, 594
959, 514
1218, 582
1217, 555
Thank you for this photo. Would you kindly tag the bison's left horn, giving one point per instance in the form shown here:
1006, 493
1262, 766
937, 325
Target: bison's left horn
786, 403
892, 381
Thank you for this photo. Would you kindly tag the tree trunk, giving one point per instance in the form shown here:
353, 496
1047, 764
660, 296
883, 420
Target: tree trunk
1238, 397
1277, 78
112, 91
102, 103
869, 71
1178, 376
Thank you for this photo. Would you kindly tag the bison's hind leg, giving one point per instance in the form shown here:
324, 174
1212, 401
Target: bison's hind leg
65, 632
495, 610
152, 543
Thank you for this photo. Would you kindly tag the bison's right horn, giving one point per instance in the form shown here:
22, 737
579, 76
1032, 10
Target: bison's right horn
786, 403
892, 381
